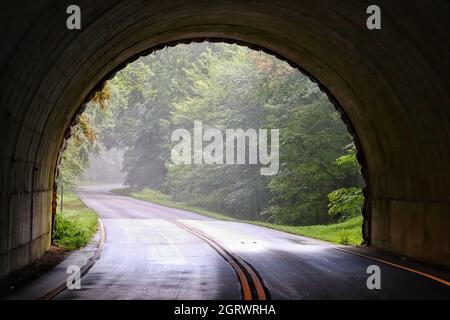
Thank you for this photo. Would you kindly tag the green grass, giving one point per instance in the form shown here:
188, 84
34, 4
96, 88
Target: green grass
76, 225
347, 233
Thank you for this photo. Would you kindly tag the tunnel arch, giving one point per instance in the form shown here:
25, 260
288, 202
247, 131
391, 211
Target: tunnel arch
365, 227
392, 85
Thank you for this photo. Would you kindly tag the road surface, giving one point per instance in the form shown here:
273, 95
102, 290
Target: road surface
155, 252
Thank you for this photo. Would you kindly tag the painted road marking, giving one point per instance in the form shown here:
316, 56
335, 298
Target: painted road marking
424, 274
246, 274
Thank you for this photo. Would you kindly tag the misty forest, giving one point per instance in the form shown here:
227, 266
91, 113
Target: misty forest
124, 136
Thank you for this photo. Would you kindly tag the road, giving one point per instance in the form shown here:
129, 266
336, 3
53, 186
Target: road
155, 252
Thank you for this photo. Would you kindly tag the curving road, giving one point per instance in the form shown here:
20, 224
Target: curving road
155, 252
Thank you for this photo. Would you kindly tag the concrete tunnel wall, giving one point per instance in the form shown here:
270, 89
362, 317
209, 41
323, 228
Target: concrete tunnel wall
393, 85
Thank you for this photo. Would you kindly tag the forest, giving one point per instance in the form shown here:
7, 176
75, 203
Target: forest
125, 135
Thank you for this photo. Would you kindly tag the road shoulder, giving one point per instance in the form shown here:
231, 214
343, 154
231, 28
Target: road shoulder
54, 281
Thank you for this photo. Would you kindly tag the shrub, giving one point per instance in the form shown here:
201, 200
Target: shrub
69, 235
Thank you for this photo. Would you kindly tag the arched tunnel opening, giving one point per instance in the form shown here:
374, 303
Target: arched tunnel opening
123, 137
389, 84
155, 96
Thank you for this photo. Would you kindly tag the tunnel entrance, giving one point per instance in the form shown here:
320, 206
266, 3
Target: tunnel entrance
390, 83
221, 127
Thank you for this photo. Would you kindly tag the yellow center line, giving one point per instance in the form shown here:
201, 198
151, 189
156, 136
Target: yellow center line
256, 281
258, 285
247, 295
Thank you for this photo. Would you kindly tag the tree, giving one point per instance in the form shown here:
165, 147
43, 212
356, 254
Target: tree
312, 138
230, 87
83, 141
347, 202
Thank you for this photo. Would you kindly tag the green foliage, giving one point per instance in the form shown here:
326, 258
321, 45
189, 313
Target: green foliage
245, 89
68, 235
142, 98
76, 225
229, 86
83, 142
73, 163
348, 232
345, 202
349, 159
311, 139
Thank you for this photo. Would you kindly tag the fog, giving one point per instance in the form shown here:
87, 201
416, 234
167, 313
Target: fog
104, 167
128, 135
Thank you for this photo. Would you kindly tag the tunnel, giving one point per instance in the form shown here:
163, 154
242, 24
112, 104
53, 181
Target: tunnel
391, 86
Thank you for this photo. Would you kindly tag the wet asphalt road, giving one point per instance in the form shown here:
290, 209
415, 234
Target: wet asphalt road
147, 255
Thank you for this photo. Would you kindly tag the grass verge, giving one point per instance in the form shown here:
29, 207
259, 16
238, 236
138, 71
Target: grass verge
76, 225
347, 233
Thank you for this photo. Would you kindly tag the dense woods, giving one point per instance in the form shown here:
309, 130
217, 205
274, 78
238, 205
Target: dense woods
224, 86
